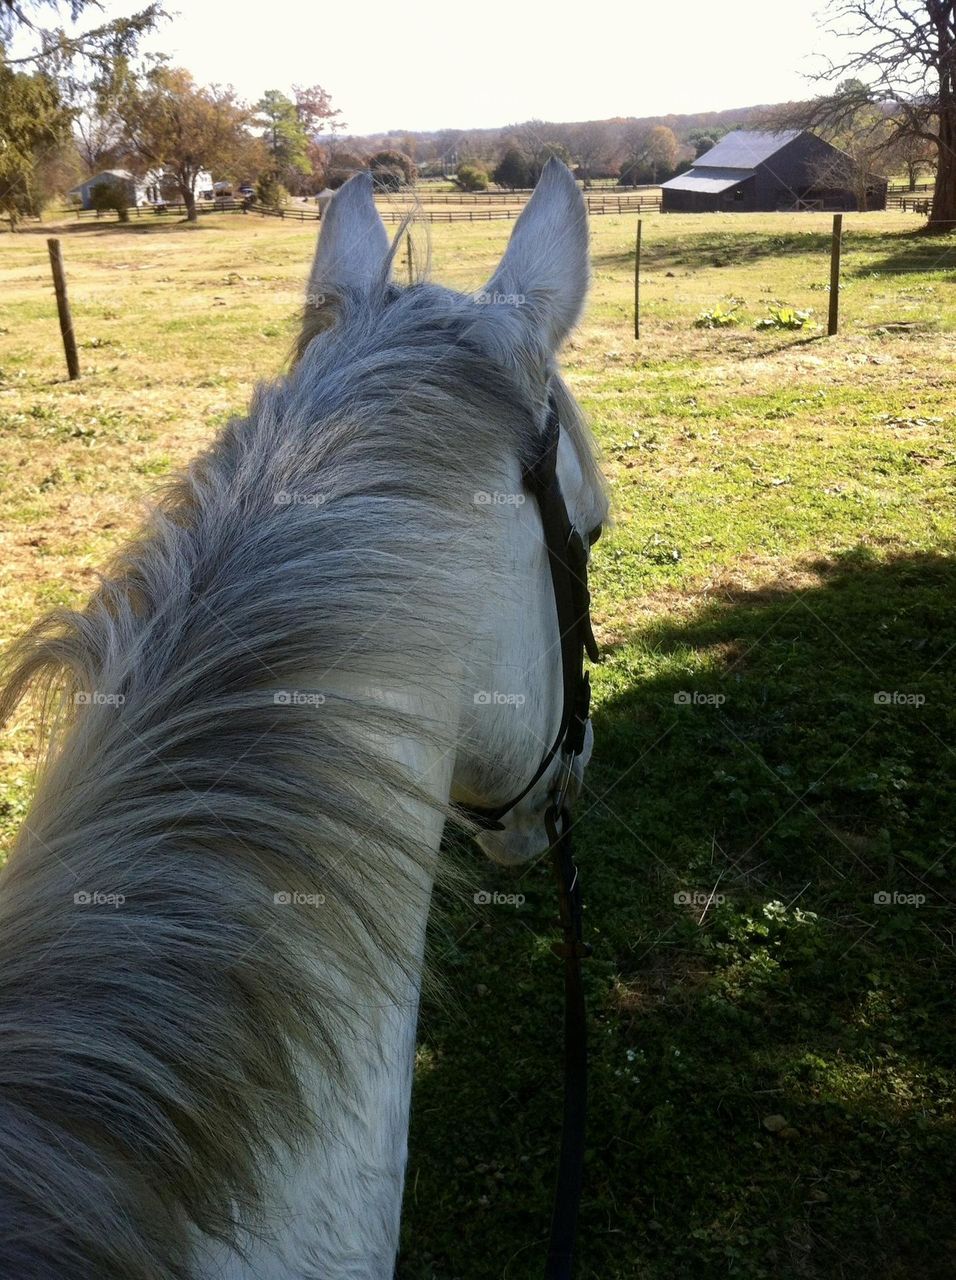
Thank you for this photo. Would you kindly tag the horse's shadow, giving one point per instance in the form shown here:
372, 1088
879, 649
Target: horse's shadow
768, 841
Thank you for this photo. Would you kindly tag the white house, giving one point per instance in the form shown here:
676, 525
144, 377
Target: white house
159, 187
156, 187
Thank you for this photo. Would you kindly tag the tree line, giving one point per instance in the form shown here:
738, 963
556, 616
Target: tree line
78, 104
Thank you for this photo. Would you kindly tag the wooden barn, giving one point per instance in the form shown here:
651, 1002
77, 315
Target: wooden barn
754, 172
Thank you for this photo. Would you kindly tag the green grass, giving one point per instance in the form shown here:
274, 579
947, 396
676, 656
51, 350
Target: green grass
774, 715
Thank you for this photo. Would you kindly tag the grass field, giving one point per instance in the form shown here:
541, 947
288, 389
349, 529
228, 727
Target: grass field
768, 834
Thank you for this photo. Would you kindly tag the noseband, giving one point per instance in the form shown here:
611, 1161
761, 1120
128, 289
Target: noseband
568, 562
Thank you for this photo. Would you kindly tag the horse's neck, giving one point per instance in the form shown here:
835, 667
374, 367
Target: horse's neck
335, 1204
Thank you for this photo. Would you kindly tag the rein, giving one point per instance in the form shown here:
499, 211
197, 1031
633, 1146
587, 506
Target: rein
567, 559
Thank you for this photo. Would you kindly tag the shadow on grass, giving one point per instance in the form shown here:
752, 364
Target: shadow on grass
768, 844
916, 252
135, 226
761, 353
903, 252
724, 248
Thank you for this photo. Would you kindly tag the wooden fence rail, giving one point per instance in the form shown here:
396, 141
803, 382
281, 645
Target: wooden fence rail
390, 213
520, 195
924, 207
904, 189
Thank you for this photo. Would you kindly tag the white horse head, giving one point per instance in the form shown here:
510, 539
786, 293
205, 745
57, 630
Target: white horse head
512, 688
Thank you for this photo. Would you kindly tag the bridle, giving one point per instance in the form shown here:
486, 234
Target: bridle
568, 562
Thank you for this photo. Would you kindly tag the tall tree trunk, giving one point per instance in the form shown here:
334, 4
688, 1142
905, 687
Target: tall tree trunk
189, 200
943, 218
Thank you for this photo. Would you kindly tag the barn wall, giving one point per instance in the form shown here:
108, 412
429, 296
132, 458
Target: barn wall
787, 174
677, 201
706, 202
748, 202
794, 172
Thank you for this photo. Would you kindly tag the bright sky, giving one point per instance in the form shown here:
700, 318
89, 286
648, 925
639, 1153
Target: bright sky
427, 64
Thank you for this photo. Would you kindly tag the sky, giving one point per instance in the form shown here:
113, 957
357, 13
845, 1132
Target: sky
429, 64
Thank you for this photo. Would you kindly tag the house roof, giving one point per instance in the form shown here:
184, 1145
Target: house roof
124, 175
710, 180
745, 149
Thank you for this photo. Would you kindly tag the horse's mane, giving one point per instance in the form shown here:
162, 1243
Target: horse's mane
149, 1050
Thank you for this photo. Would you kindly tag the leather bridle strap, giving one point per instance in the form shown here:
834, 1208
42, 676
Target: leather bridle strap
568, 563
572, 949
567, 560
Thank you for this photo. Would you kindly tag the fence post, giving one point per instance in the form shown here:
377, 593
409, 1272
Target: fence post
63, 309
637, 283
408, 253
833, 323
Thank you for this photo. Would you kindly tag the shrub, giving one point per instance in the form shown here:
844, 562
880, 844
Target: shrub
105, 196
471, 177
784, 318
513, 170
391, 170
270, 192
718, 318
344, 166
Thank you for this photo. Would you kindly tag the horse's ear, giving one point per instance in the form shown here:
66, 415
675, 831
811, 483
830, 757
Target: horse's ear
353, 243
544, 272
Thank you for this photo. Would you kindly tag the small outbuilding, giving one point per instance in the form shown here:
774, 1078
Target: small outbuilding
761, 172
121, 177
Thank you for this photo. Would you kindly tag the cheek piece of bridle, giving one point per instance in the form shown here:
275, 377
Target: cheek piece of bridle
568, 561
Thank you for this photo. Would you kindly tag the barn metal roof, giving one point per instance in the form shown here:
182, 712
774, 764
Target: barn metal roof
745, 149
710, 180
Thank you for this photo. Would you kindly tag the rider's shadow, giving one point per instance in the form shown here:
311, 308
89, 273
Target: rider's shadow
768, 843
